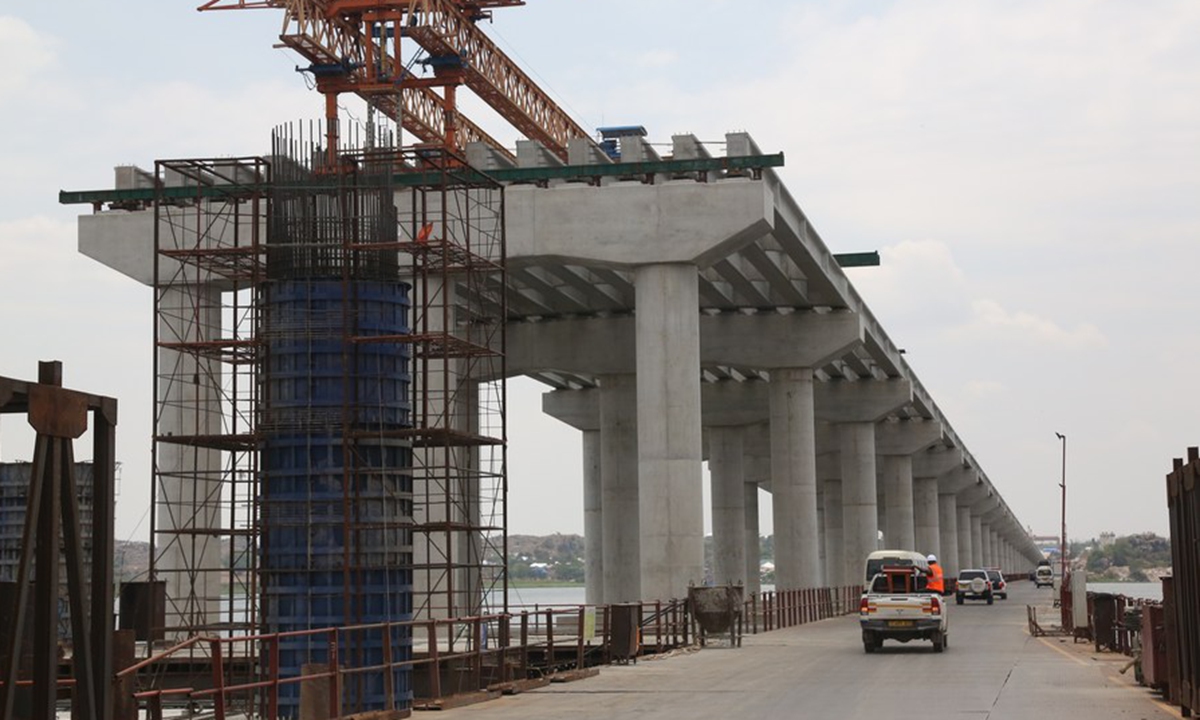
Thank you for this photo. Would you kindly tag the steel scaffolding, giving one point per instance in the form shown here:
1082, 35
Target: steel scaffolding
210, 216
330, 396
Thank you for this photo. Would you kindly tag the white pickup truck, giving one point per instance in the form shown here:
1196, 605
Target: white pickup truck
895, 605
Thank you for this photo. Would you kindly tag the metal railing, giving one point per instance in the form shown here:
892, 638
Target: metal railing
448, 657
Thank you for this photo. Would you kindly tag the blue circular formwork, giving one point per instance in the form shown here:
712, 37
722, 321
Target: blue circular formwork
334, 556
313, 374
336, 541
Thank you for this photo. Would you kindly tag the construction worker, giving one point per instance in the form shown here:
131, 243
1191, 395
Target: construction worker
936, 583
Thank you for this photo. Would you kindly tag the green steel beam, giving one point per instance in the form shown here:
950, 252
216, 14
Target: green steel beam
467, 176
862, 259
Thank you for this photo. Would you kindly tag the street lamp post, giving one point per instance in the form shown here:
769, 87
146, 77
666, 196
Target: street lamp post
1062, 551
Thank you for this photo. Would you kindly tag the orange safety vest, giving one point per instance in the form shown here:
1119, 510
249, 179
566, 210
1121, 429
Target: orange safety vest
935, 582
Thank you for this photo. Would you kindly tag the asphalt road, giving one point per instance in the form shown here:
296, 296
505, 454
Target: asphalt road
991, 670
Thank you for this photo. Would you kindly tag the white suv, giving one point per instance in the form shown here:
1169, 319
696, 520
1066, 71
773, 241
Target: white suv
973, 585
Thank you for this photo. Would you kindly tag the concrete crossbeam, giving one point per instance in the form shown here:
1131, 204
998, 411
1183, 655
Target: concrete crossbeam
634, 225
907, 437
606, 345
841, 401
936, 461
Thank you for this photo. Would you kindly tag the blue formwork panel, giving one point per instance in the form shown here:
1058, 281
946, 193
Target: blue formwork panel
337, 551
311, 370
305, 502
302, 600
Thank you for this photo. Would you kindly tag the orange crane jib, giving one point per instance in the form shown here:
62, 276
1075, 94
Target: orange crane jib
364, 39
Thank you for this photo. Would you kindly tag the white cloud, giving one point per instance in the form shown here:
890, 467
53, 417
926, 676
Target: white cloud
661, 57
23, 52
1000, 326
984, 389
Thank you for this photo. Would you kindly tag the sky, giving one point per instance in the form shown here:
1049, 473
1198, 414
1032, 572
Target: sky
1029, 171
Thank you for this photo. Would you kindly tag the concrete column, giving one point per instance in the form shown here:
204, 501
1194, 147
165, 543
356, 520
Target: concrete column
925, 516
881, 513
671, 509
835, 569
985, 550
821, 533
593, 520
619, 489
898, 489
860, 528
976, 540
948, 539
965, 546
725, 456
928, 466
794, 479
751, 540
190, 478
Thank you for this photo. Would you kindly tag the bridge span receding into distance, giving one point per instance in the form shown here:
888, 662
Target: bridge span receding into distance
683, 309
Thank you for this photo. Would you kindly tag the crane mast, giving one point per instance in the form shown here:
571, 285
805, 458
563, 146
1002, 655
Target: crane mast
358, 46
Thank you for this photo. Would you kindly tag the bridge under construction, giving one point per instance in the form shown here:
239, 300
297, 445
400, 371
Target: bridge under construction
335, 320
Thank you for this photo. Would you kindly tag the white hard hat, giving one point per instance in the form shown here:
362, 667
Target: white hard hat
931, 557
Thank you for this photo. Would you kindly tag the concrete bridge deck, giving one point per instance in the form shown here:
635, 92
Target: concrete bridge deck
991, 669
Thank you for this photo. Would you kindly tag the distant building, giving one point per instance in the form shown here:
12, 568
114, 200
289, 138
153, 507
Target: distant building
1107, 539
14, 484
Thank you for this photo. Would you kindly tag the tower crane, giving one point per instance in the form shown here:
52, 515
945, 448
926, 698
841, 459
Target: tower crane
357, 46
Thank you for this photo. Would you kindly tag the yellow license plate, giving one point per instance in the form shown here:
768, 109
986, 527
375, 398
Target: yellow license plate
900, 623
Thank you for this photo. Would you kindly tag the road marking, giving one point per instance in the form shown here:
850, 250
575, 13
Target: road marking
1167, 707
1064, 653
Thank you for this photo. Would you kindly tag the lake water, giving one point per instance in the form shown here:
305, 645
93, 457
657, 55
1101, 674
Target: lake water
574, 595
526, 598
1149, 591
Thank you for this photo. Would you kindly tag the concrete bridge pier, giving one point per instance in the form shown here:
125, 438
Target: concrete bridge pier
950, 485
620, 488
897, 442
835, 565
787, 346
757, 465
965, 544
593, 519
726, 458
794, 479
750, 543
928, 466
855, 408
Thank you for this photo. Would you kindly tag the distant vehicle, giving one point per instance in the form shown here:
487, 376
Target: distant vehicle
898, 558
895, 605
1043, 575
999, 585
973, 585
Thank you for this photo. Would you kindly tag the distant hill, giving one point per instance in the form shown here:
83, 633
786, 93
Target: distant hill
1135, 558
131, 560
551, 558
